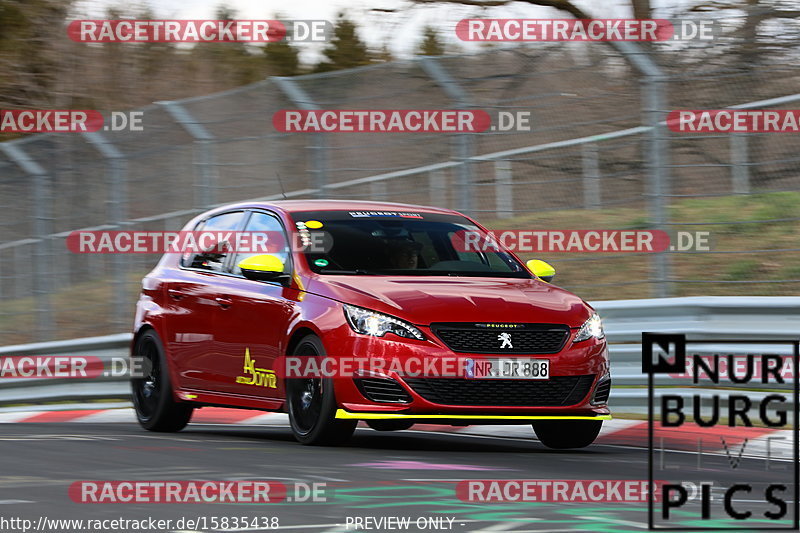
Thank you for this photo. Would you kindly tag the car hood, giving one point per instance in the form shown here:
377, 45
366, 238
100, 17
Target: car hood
423, 300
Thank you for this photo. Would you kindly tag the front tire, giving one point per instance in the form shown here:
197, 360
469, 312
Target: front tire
312, 404
156, 409
566, 434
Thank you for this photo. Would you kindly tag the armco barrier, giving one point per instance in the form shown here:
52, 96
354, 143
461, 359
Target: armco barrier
707, 318
33, 390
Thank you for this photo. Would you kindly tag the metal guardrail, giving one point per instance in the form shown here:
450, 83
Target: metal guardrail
39, 390
723, 318
707, 318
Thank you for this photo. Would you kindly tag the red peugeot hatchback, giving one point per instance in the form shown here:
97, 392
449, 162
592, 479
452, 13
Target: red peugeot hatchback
389, 291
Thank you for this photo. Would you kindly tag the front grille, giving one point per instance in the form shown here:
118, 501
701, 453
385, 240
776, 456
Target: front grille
602, 391
519, 338
556, 391
382, 390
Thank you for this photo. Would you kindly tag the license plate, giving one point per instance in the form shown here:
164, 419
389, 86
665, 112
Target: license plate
517, 368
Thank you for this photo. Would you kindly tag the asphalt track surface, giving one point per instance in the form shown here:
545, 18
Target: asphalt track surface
400, 474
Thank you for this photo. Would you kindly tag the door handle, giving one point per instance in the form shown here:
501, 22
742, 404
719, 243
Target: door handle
175, 294
224, 302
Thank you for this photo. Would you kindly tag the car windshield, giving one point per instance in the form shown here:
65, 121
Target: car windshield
398, 243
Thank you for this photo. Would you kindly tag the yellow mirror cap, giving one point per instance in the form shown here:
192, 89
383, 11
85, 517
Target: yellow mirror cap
541, 268
262, 263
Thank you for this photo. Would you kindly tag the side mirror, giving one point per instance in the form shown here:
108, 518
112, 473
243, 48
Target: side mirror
264, 267
542, 270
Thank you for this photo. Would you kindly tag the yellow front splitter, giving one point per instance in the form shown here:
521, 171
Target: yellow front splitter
341, 413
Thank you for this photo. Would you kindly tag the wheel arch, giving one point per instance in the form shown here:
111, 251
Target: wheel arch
144, 327
298, 334
141, 331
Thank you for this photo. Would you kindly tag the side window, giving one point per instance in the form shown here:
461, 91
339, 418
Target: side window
213, 259
269, 228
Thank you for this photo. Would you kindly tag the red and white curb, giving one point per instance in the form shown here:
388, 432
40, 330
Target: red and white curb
751, 442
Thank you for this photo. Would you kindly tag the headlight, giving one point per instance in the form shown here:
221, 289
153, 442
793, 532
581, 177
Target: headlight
591, 328
376, 324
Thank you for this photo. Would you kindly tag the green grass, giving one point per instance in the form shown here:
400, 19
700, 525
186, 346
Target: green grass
738, 224
743, 270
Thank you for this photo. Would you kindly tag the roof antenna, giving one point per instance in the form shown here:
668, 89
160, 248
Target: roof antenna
280, 183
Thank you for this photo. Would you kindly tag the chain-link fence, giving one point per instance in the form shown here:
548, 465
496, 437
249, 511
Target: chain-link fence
598, 156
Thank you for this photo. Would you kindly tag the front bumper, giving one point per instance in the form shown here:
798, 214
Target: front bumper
587, 358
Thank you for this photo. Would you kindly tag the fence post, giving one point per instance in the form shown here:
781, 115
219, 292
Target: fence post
464, 145
654, 111
202, 154
42, 229
740, 165
503, 189
592, 193
303, 100
116, 215
659, 183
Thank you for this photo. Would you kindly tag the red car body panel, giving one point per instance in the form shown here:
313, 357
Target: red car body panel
207, 321
426, 300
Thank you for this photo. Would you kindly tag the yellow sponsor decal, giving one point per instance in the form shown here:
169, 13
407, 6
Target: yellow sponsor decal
260, 377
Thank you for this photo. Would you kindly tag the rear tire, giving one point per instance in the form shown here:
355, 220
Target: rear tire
153, 401
312, 404
390, 425
566, 434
